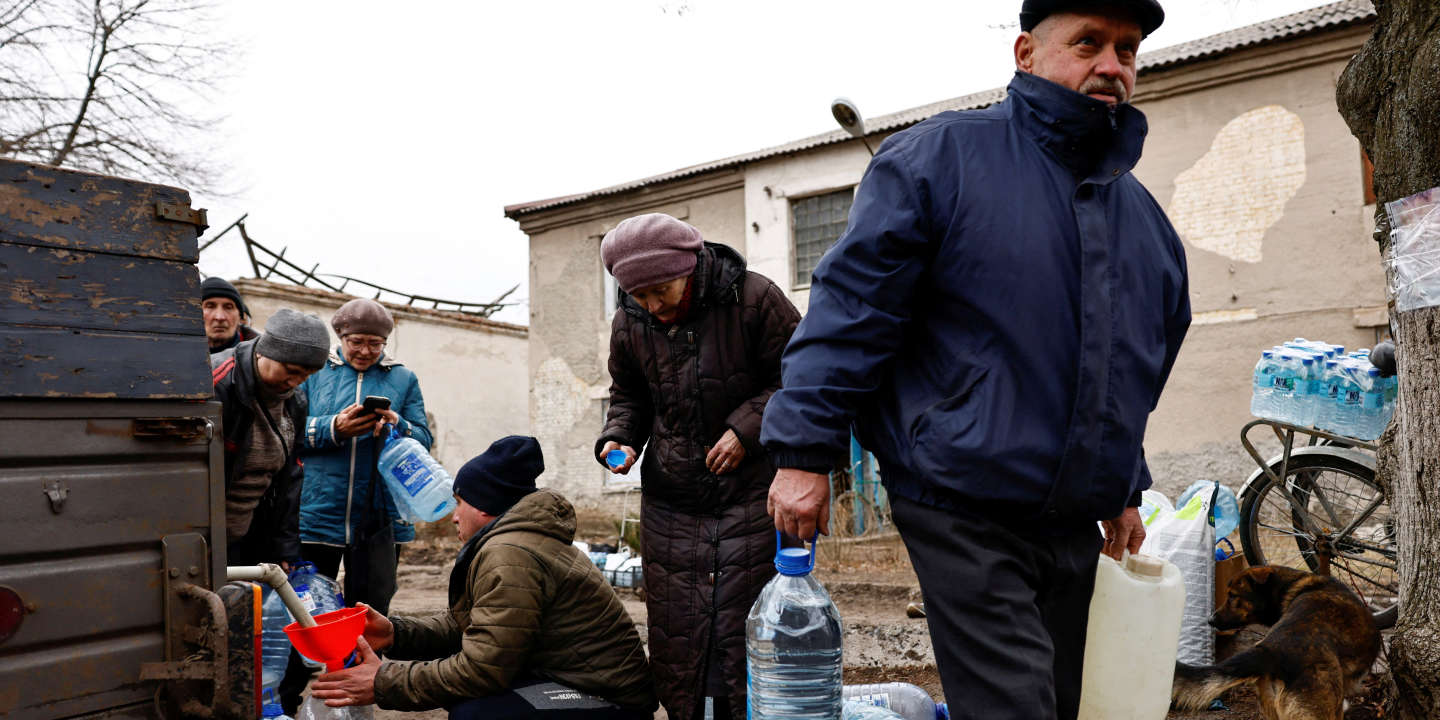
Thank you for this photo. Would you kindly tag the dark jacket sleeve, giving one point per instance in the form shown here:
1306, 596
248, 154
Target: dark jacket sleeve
1177, 324
860, 304
290, 480
778, 318
631, 413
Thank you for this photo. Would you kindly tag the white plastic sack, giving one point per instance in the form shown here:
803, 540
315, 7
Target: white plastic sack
1186, 538
1414, 261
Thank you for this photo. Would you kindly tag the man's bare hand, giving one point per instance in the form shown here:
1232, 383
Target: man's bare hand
353, 685
800, 502
1125, 532
379, 631
726, 455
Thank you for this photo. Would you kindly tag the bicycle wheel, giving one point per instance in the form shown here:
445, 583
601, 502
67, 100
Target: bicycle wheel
1348, 519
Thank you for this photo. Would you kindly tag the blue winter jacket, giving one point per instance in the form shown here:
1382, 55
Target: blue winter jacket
335, 499
1000, 316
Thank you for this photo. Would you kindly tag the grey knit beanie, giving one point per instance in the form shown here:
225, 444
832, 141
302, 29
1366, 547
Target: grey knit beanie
295, 337
362, 315
650, 249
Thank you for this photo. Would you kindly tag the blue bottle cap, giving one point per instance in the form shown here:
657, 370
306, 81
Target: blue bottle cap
615, 458
272, 707
793, 561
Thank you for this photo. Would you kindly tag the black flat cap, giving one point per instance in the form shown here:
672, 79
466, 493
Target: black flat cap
1147, 12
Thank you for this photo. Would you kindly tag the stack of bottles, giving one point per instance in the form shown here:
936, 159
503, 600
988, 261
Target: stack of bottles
1316, 384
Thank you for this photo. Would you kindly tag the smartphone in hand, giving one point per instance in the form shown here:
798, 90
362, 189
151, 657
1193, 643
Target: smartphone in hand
375, 402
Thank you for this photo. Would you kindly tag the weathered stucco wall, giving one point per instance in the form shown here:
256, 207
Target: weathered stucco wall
472, 371
570, 329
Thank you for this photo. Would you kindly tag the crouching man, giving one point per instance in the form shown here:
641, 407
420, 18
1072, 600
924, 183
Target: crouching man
533, 629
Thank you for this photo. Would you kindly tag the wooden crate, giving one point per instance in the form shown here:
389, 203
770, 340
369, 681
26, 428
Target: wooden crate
99, 294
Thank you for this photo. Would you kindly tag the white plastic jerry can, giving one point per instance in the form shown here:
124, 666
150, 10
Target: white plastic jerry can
1132, 639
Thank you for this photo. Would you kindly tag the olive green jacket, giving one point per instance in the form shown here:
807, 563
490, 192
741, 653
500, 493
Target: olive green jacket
531, 603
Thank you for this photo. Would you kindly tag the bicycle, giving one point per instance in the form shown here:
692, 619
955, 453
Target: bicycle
1319, 508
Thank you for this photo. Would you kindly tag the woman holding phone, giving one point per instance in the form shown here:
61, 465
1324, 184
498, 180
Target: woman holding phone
345, 508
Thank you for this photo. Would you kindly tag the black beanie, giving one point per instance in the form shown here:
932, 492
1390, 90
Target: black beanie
1148, 13
500, 476
220, 287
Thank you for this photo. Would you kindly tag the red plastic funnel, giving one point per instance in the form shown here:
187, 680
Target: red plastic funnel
332, 639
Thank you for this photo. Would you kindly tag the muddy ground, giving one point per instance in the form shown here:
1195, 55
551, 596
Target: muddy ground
870, 581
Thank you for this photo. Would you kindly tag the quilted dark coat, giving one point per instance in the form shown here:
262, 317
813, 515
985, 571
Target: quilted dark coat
709, 545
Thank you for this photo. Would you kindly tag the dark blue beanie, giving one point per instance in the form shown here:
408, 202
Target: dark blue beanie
497, 478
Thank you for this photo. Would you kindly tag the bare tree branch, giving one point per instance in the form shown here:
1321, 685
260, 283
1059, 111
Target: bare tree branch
112, 86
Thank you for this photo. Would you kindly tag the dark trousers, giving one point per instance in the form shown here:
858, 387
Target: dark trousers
542, 698
1007, 607
327, 561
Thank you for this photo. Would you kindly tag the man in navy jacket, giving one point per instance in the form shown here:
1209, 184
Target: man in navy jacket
997, 324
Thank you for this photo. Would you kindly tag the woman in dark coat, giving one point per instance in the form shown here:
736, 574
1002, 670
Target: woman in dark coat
694, 356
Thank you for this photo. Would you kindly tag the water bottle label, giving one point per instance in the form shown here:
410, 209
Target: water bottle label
1352, 397
308, 600
1286, 384
411, 473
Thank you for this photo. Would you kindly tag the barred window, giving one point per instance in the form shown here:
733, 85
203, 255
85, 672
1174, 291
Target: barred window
816, 223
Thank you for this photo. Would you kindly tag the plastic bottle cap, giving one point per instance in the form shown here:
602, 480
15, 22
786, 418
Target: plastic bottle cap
615, 458
793, 561
1145, 565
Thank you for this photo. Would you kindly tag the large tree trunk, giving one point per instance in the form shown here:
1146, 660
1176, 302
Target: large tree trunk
1390, 97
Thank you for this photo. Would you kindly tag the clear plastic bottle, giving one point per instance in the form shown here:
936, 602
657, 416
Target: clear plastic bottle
908, 701
274, 643
319, 593
1372, 406
861, 710
315, 709
793, 644
1261, 398
272, 710
423, 490
1327, 413
1290, 383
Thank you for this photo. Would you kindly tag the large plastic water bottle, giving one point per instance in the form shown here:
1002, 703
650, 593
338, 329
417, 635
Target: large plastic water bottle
908, 701
422, 489
272, 710
1261, 402
1131, 640
274, 643
317, 592
860, 710
793, 642
315, 709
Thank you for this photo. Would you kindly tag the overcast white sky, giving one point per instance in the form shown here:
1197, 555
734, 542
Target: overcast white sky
383, 140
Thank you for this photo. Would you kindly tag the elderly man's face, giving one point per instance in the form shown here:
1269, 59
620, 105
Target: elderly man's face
222, 319
1089, 53
278, 377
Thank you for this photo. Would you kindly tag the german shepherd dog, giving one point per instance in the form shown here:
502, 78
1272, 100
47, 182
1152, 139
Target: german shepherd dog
1321, 644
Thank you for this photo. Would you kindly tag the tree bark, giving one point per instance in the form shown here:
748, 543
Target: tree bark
1389, 95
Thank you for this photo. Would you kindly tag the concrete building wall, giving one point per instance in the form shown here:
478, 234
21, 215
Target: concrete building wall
472, 371
570, 327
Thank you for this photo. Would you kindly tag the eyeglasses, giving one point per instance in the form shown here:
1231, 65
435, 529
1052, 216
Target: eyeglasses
371, 345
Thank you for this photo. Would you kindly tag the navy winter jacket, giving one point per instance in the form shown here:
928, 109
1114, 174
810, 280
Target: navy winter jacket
1000, 316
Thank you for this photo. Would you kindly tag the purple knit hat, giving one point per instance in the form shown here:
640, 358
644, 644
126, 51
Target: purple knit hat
650, 249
